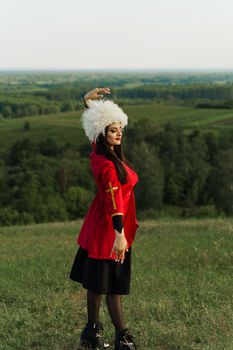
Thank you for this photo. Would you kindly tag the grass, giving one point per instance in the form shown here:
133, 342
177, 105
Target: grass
64, 126
183, 116
181, 289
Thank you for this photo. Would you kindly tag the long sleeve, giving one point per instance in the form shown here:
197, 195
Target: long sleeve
117, 222
113, 200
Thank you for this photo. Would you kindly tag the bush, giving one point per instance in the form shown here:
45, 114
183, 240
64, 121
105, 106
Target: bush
10, 216
199, 212
147, 214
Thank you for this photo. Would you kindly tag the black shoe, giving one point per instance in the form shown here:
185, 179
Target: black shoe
91, 337
124, 340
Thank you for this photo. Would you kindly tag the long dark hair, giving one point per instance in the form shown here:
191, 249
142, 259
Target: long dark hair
116, 155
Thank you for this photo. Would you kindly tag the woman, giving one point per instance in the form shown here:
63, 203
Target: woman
103, 261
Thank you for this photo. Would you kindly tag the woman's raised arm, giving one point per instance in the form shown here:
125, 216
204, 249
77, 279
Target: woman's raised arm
97, 93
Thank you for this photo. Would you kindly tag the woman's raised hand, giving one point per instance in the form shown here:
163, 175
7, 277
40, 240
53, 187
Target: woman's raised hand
97, 93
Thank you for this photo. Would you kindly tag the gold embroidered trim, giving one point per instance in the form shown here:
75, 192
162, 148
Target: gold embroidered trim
111, 189
117, 214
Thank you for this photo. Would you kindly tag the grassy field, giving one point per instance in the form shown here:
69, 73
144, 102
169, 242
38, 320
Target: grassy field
181, 289
67, 126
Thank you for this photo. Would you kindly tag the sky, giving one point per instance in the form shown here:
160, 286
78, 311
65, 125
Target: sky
116, 34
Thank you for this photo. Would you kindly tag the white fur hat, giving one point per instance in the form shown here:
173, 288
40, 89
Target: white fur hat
100, 114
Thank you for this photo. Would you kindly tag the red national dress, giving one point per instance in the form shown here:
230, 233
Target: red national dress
97, 234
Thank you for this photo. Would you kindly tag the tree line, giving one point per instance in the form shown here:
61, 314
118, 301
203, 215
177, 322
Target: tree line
69, 97
21, 106
52, 181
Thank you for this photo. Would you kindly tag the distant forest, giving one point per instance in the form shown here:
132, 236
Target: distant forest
180, 174
28, 94
49, 181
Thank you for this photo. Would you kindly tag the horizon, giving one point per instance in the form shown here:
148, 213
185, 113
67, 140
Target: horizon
119, 69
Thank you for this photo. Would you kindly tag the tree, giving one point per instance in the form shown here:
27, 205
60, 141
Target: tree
67, 106
77, 201
21, 150
149, 193
222, 181
3, 186
55, 207
50, 147
27, 126
73, 173
7, 111
29, 198
173, 154
198, 168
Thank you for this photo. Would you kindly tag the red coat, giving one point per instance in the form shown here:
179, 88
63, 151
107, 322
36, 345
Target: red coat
97, 234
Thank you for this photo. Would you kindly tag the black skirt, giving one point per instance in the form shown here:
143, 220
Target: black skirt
103, 276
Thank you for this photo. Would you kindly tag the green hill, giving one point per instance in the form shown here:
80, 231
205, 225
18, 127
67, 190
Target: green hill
181, 289
67, 126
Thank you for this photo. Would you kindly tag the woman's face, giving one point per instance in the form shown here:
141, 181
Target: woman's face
114, 134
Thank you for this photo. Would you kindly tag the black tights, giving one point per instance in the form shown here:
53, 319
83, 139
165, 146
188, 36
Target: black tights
114, 305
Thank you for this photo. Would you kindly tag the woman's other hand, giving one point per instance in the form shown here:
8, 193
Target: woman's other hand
97, 93
120, 246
